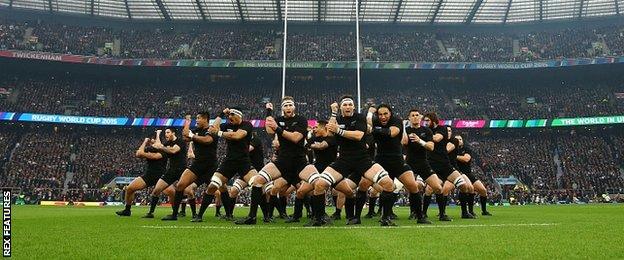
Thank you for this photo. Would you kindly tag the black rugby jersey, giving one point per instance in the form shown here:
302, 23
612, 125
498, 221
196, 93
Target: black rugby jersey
464, 167
205, 152
327, 155
158, 166
348, 147
388, 146
297, 124
415, 151
439, 153
237, 149
257, 155
177, 161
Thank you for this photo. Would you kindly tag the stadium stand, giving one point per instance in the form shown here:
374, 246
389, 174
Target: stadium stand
80, 97
264, 44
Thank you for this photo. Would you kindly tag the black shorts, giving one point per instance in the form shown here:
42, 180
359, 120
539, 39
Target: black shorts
394, 166
421, 169
151, 178
471, 176
257, 166
232, 168
290, 168
172, 175
357, 165
356, 178
321, 166
443, 170
203, 171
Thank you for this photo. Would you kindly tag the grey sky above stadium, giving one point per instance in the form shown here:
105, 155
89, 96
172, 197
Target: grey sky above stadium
373, 11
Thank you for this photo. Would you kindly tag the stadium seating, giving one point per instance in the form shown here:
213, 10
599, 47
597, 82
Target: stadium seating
80, 97
264, 44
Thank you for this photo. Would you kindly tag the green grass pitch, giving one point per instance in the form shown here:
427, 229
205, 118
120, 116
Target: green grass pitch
528, 232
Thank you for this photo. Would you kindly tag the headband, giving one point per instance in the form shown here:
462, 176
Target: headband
288, 102
236, 112
346, 100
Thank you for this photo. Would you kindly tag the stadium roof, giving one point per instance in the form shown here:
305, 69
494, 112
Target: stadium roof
372, 11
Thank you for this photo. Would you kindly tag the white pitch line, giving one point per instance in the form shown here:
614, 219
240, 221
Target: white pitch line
356, 227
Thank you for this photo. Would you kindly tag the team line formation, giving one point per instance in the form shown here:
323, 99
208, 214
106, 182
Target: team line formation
357, 156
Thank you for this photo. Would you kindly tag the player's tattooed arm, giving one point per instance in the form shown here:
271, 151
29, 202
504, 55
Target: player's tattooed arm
171, 149
334, 112
369, 118
238, 135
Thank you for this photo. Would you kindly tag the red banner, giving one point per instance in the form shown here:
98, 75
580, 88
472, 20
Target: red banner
42, 56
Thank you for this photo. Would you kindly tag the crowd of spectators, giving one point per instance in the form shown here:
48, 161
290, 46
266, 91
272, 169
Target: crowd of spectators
617, 140
413, 46
528, 157
40, 160
589, 162
590, 168
102, 156
109, 98
265, 44
160, 43
478, 47
321, 47
533, 101
235, 45
11, 34
7, 141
